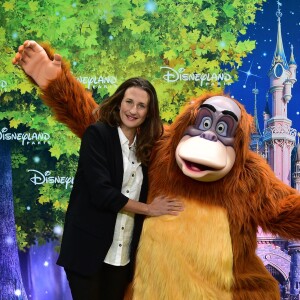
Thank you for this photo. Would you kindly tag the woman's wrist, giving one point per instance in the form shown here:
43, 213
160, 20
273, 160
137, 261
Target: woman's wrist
147, 210
137, 207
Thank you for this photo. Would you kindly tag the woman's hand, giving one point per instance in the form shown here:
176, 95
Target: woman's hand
33, 59
158, 207
164, 206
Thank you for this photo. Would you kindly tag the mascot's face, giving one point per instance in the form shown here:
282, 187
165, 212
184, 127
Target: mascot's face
206, 152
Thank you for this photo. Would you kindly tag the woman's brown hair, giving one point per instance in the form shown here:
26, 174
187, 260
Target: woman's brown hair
152, 128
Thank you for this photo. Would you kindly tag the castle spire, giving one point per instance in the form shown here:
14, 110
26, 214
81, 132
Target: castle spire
255, 144
256, 125
292, 66
279, 55
292, 58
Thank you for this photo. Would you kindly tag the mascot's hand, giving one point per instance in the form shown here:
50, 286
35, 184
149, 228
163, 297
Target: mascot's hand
35, 62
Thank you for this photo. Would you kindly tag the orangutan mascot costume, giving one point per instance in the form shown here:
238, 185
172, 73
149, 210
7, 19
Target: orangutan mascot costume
207, 252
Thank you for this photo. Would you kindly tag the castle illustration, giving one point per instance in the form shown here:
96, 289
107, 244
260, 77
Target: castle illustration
277, 144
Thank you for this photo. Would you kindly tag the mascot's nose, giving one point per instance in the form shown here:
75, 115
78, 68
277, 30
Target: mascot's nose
209, 135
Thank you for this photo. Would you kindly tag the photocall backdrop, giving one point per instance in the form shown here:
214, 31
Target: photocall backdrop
184, 48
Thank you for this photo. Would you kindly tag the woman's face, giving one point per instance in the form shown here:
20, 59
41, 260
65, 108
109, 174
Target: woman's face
134, 108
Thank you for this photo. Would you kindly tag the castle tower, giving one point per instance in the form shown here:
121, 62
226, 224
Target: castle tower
279, 136
256, 135
281, 257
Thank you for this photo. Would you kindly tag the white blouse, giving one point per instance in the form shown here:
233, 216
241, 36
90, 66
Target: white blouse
118, 253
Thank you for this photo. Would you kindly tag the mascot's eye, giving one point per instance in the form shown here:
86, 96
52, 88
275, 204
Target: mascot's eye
221, 128
206, 123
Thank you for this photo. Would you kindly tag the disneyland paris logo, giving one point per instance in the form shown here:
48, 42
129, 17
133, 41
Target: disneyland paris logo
26, 138
97, 82
172, 75
39, 178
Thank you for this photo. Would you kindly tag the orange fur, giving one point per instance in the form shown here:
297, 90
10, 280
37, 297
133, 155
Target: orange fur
72, 105
250, 194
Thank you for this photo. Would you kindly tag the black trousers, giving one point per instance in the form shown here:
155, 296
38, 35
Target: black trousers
109, 283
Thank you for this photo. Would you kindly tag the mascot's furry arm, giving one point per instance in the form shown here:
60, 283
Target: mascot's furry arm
273, 206
70, 102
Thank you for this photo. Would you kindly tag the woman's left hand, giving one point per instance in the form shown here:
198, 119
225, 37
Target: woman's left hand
165, 206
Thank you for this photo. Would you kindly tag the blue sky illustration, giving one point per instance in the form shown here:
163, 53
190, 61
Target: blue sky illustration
256, 66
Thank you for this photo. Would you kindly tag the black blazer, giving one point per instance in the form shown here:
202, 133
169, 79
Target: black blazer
95, 200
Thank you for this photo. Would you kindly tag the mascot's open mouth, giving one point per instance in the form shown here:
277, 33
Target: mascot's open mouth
197, 167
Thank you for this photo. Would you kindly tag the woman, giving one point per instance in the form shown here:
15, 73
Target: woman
107, 203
